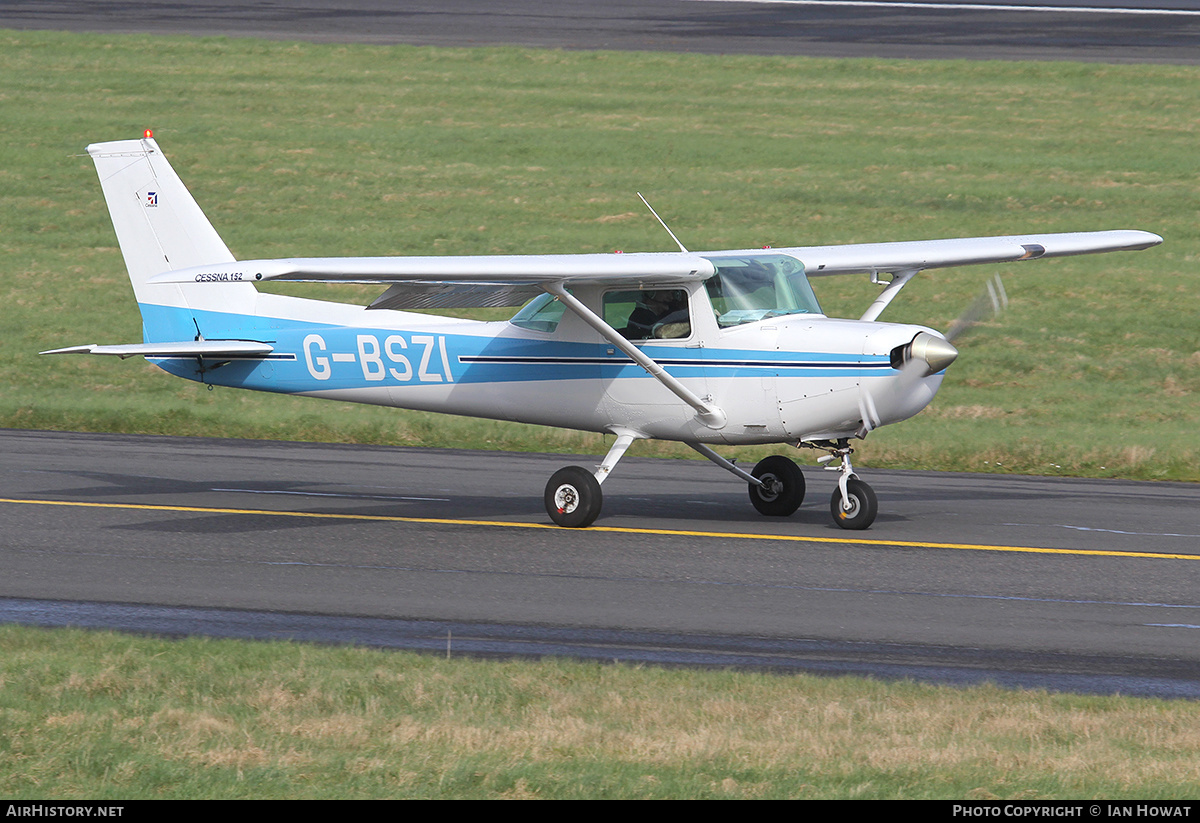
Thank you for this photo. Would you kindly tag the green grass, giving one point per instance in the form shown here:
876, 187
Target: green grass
302, 149
99, 716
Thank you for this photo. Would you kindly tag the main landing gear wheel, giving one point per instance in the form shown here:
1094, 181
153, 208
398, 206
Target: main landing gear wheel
573, 497
783, 489
863, 506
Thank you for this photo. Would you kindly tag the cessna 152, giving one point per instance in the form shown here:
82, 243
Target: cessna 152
708, 348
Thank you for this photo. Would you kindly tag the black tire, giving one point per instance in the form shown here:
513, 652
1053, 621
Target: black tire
785, 487
863, 506
573, 498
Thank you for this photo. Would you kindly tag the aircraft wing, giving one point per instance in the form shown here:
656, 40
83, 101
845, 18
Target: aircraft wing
459, 282
510, 280
480, 270
868, 258
658, 267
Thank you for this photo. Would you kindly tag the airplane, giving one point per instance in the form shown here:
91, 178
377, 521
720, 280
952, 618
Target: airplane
711, 349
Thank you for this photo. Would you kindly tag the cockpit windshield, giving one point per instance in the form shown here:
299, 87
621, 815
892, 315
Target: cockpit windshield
746, 289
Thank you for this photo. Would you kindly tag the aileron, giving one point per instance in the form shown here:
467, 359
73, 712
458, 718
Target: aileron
869, 258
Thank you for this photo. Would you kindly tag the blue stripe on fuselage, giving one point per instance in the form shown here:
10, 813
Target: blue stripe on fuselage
332, 357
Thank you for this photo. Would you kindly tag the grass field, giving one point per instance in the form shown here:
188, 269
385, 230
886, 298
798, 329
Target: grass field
299, 149
104, 717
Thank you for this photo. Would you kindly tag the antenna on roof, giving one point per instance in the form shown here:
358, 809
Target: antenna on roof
661, 223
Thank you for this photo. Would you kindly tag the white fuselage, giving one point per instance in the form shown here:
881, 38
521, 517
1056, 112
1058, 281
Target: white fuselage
784, 379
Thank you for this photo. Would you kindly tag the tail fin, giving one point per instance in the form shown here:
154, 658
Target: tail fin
161, 228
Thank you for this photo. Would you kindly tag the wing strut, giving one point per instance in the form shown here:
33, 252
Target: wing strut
706, 412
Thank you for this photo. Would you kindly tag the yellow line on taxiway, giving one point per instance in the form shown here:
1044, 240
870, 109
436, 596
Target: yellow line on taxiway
794, 538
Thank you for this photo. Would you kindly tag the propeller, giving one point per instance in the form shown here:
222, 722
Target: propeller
933, 353
990, 302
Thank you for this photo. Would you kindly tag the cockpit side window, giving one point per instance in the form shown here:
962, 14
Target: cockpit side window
752, 288
654, 314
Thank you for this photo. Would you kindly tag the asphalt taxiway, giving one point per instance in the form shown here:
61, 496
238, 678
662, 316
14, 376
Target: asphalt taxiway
1066, 583
1118, 31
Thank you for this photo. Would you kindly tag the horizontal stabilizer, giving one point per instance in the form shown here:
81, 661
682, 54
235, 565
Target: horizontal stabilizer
188, 348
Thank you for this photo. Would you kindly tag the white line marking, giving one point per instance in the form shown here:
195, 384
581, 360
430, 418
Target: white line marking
1172, 626
907, 4
1105, 531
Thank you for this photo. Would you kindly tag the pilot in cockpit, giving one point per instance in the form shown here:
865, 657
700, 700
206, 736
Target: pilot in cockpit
661, 314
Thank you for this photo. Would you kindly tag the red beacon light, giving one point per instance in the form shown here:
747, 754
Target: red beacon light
148, 133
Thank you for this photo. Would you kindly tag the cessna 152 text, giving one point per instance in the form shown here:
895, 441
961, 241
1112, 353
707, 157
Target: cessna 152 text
712, 349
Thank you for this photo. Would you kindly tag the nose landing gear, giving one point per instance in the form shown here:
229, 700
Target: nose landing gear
853, 504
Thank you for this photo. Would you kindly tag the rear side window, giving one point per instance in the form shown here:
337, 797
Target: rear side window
653, 314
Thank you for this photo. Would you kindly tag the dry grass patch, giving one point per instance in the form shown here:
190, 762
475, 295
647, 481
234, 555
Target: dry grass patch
285, 720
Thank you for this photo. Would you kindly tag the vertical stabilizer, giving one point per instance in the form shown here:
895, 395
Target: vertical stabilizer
161, 228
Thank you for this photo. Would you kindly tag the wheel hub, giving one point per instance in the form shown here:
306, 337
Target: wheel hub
566, 498
770, 487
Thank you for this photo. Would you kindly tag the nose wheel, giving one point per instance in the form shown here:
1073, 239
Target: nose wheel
856, 509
